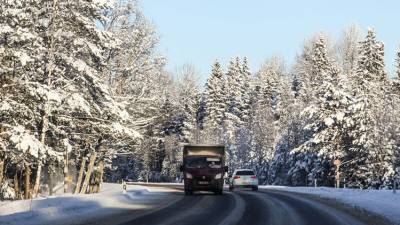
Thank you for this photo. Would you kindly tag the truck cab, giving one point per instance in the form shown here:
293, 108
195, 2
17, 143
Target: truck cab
203, 168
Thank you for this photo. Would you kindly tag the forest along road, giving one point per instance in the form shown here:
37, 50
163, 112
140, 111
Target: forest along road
249, 207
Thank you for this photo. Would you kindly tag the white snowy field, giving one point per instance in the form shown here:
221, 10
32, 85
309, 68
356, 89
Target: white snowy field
85, 209
381, 202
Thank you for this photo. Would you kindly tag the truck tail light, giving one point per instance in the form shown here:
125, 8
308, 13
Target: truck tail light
253, 177
236, 177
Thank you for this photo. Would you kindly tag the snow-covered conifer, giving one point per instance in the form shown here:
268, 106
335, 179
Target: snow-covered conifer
371, 61
215, 100
233, 84
367, 129
268, 79
246, 89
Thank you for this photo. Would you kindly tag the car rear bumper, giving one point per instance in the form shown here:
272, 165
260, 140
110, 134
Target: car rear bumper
245, 186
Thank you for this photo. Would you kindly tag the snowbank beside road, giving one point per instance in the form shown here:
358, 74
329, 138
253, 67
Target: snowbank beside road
382, 202
80, 209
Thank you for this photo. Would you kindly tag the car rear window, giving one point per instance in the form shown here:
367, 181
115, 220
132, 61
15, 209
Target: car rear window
244, 172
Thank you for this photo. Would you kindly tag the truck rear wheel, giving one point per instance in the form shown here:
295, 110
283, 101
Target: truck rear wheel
188, 192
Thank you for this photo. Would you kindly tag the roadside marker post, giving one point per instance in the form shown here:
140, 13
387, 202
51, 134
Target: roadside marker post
337, 163
123, 186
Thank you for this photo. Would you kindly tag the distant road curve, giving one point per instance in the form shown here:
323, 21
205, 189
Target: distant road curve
246, 207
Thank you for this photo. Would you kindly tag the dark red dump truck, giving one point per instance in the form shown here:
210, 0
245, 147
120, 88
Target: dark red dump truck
203, 168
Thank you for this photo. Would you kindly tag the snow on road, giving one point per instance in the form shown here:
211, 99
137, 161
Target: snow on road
89, 209
82, 209
381, 202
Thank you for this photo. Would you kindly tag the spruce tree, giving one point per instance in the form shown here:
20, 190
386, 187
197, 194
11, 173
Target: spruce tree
234, 88
367, 130
307, 66
60, 57
371, 61
215, 101
325, 115
22, 65
269, 80
246, 89
321, 64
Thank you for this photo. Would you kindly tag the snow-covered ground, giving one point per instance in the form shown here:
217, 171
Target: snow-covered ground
89, 209
84, 209
382, 202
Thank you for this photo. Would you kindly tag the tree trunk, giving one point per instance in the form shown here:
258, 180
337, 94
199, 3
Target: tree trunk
101, 173
16, 185
89, 172
66, 181
91, 188
51, 185
1, 171
27, 181
98, 179
37, 180
47, 110
80, 176
45, 125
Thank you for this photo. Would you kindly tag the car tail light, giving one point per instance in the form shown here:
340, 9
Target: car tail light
253, 177
236, 177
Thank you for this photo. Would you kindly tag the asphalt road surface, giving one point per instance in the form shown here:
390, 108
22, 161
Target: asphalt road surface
252, 208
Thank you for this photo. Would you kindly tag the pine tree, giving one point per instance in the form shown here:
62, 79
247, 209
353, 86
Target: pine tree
307, 66
320, 63
233, 119
396, 111
323, 116
269, 80
233, 84
370, 85
22, 60
63, 95
215, 101
371, 63
329, 98
75, 61
245, 85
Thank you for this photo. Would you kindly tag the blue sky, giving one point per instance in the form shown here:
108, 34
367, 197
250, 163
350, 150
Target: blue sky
201, 31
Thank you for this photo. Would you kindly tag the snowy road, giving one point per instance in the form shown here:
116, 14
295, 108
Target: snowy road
165, 204
246, 207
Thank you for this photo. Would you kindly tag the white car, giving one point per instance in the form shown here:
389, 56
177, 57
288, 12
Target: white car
244, 178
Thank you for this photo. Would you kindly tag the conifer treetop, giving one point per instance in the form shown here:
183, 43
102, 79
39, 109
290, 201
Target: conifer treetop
371, 61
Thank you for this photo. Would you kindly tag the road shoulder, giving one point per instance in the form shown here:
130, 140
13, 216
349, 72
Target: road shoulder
355, 211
